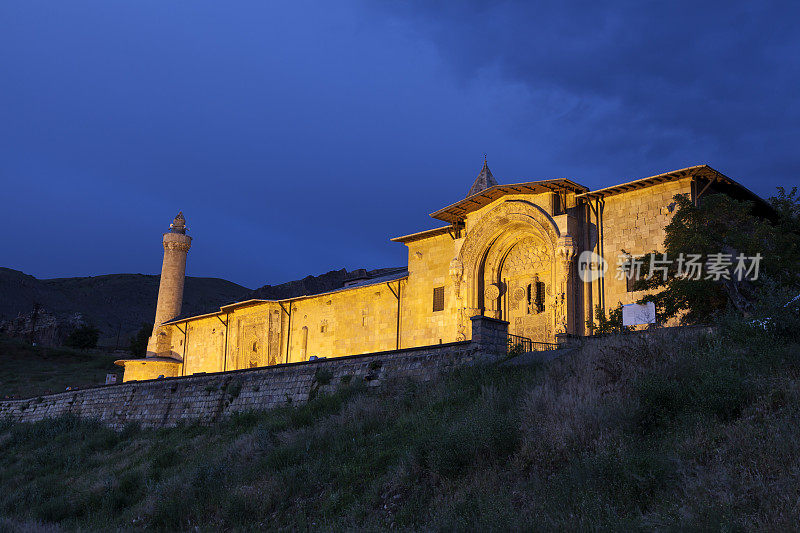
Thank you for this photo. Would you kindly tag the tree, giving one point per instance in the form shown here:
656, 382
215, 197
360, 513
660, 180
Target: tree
722, 225
787, 207
83, 337
138, 344
607, 324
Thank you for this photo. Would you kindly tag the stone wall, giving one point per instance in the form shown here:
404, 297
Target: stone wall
428, 265
257, 334
490, 333
635, 221
209, 397
352, 321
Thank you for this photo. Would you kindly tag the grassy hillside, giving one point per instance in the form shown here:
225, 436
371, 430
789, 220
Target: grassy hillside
27, 371
682, 433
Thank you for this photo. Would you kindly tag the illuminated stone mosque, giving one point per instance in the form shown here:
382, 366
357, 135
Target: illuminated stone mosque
509, 252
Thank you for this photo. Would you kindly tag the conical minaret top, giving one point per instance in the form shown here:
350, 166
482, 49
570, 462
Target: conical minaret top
483, 181
178, 224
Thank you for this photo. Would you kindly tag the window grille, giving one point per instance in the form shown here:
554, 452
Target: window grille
438, 299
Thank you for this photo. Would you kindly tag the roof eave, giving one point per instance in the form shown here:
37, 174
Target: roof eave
422, 234
527, 187
688, 172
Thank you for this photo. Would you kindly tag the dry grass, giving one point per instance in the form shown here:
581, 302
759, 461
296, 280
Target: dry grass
635, 433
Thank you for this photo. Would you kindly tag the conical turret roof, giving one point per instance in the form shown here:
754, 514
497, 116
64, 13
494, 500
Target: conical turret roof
483, 181
178, 224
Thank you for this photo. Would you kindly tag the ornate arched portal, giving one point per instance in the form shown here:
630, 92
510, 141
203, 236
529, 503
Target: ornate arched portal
515, 265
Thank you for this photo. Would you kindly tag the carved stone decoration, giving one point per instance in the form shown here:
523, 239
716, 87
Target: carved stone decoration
529, 255
456, 271
488, 242
566, 254
566, 249
560, 306
519, 294
516, 218
492, 292
274, 338
178, 246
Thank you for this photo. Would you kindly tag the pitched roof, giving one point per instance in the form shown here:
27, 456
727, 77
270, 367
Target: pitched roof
457, 211
704, 172
483, 181
653, 180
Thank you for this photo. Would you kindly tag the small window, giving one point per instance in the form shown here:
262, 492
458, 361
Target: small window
630, 282
632, 274
540, 296
438, 299
632, 270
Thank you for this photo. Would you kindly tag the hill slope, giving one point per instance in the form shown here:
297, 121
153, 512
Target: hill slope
674, 433
27, 371
109, 302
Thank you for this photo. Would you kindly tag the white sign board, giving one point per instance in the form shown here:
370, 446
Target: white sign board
636, 314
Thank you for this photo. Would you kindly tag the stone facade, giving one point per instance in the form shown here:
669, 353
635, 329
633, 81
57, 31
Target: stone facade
508, 252
634, 223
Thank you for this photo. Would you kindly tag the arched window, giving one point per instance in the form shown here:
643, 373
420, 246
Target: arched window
304, 343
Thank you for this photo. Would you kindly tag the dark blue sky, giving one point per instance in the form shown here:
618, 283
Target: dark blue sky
297, 137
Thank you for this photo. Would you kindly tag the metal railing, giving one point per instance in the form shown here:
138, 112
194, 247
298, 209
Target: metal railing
524, 344
519, 344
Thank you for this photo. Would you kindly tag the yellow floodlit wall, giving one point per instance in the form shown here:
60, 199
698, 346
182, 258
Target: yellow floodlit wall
634, 221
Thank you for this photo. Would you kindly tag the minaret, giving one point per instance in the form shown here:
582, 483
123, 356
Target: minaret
173, 271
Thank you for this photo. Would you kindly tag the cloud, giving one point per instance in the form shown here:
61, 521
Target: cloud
659, 84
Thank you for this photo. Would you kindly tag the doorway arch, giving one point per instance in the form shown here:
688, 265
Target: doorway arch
511, 248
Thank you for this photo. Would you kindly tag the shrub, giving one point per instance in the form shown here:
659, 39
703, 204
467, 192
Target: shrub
233, 389
607, 324
83, 337
515, 350
138, 344
323, 376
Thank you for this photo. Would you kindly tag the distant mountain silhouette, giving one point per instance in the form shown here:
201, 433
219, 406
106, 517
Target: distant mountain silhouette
121, 303
309, 285
111, 302
330, 281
